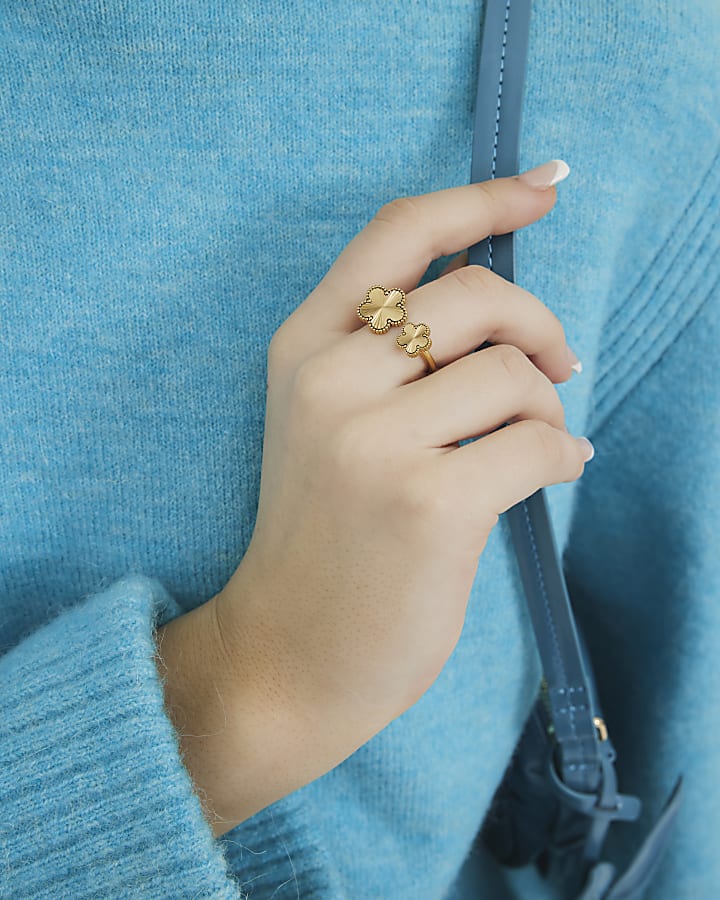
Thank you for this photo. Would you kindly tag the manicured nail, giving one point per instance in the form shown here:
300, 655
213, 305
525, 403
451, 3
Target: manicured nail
574, 361
545, 176
587, 447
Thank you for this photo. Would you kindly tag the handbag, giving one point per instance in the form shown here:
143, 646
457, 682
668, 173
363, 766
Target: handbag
559, 795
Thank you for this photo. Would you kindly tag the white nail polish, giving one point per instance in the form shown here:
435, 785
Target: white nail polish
587, 447
545, 176
573, 360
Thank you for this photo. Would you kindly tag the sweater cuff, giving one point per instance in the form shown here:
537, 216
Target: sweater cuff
94, 799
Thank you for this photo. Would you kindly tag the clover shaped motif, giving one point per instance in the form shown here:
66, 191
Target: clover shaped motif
414, 338
382, 309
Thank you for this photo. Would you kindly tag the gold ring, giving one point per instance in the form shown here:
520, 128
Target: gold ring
381, 309
415, 340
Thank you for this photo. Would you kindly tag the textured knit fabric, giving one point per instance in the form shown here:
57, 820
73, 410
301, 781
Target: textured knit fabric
175, 177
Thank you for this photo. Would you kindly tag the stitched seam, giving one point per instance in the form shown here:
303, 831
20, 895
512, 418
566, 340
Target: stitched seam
660, 284
604, 417
497, 112
670, 320
671, 238
546, 604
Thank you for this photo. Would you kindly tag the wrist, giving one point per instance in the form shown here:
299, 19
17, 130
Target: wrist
230, 736
300, 730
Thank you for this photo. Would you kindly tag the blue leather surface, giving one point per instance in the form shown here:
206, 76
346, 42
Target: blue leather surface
496, 141
585, 760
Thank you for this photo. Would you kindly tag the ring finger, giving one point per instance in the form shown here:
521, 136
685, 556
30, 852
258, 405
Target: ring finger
473, 396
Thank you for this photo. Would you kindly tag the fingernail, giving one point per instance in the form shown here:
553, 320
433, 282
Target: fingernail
545, 176
574, 361
587, 447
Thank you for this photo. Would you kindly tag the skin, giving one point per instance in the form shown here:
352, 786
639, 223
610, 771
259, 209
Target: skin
371, 519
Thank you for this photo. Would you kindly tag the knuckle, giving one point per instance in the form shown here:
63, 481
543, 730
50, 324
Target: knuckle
279, 351
544, 395
420, 498
550, 328
548, 442
402, 211
488, 197
313, 382
474, 279
352, 443
513, 361
558, 449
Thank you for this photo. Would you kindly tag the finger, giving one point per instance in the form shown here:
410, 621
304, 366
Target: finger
463, 310
405, 235
472, 396
512, 463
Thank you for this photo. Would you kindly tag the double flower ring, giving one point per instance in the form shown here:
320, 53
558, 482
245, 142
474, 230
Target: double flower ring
381, 309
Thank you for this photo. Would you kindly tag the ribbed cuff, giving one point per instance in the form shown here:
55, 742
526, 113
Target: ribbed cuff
94, 800
276, 853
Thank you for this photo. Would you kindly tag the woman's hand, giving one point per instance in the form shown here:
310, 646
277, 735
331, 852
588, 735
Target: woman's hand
353, 590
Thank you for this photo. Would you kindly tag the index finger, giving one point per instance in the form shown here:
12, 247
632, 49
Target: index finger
405, 235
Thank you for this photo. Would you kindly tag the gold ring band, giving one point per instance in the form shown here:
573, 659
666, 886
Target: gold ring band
382, 308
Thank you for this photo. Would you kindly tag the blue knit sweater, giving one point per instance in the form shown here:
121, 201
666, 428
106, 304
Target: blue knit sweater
175, 178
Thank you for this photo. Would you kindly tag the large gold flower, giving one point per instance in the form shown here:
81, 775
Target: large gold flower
414, 338
382, 309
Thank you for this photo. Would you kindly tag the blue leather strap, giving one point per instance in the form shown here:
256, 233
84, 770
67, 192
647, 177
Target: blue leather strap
498, 104
496, 142
585, 779
602, 882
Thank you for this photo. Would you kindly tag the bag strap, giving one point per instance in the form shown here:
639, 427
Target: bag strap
495, 154
586, 778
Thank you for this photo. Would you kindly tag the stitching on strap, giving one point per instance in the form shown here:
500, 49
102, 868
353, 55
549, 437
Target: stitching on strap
541, 582
497, 111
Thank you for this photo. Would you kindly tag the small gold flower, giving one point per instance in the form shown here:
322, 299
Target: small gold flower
382, 309
414, 338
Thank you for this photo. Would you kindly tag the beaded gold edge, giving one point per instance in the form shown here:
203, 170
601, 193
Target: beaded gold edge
373, 309
420, 339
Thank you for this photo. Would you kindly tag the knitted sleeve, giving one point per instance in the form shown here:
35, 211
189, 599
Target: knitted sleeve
94, 799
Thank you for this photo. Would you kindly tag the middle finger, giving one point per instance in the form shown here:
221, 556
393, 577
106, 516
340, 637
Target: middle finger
462, 309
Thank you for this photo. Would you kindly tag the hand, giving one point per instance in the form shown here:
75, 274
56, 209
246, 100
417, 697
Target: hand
353, 590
